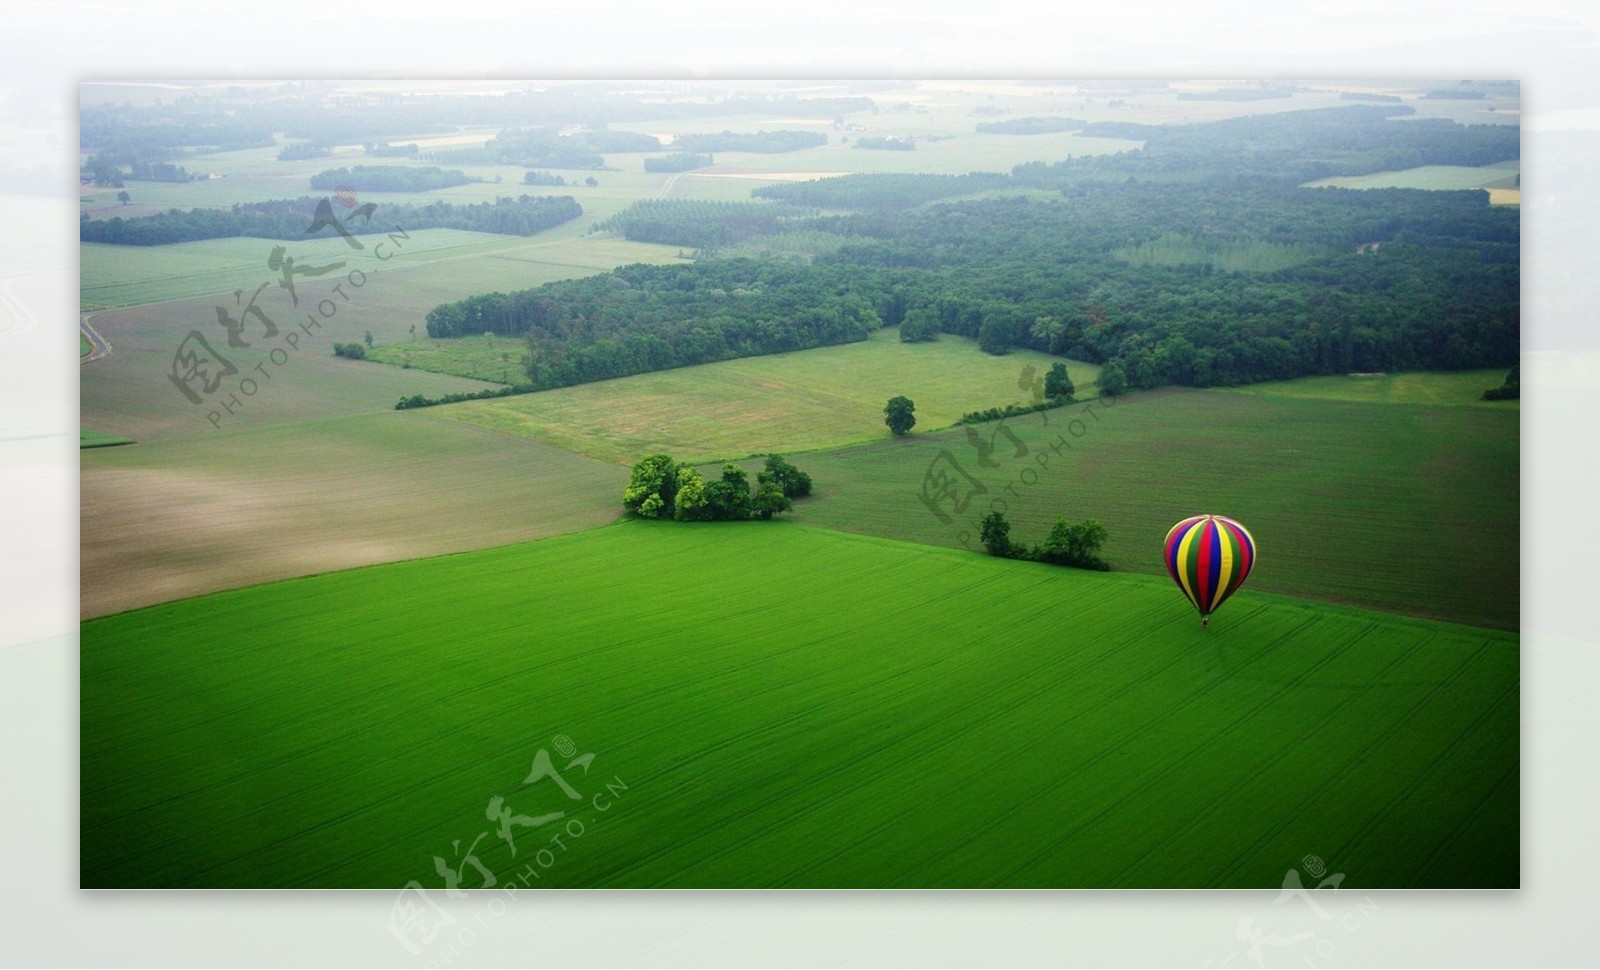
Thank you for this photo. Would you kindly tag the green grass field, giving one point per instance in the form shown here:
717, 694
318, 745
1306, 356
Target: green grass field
84, 346
1400, 507
1444, 388
793, 402
788, 707
452, 262
1447, 177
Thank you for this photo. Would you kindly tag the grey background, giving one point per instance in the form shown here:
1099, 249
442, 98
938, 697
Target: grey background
46, 49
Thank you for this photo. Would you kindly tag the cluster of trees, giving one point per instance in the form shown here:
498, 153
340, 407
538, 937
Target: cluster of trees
1075, 544
104, 171
158, 172
880, 192
389, 178
108, 128
678, 162
661, 488
1443, 291
289, 219
643, 318
353, 351
1030, 126
303, 151
543, 178
766, 142
698, 223
547, 147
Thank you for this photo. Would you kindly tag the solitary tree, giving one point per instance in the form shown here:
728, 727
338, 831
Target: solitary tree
898, 414
124, 197
995, 532
1058, 384
591, 181
367, 338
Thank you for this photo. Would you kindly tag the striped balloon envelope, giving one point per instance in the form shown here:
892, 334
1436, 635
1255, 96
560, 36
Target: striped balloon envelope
1209, 557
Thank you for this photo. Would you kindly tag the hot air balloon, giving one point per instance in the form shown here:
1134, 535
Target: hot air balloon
1209, 557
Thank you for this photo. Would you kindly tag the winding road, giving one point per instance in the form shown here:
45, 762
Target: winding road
98, 347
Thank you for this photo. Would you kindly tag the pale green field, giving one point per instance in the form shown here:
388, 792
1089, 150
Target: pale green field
170, 519
439, 264
780, 402
1451, 388
1436, 177
129, 393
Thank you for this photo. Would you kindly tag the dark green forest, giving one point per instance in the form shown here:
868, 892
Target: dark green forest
700, 224
1196, 261
388, 178
645, 318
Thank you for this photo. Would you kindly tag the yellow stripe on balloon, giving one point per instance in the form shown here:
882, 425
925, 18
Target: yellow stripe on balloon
1225, 550
1183, 566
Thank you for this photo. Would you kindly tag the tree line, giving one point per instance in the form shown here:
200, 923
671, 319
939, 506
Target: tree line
547, 147
389, 178
1075, 544
698, 223
644, 318
289, 219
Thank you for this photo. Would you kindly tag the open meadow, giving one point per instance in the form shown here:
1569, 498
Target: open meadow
792, 402
786, 707
177, 518
1402, 507
1502, 180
